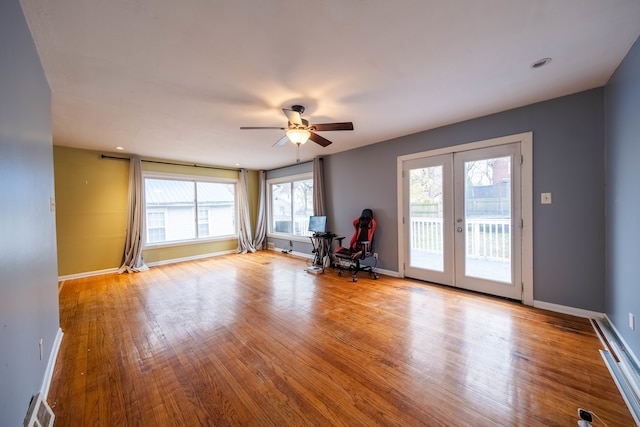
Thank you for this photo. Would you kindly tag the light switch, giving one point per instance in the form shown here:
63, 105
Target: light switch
545, 198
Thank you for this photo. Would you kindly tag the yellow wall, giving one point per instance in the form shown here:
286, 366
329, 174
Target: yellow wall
91, 215
91, 210
252, 195
186, 251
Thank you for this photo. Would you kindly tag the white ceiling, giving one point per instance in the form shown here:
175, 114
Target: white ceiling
176, 79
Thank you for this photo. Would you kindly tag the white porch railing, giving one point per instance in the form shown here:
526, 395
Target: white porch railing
300, 225
487, 238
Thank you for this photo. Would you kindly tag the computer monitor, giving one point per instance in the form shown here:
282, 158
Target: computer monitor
318, 224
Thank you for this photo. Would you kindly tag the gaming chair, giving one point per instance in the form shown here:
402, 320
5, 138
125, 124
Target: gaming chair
360, 246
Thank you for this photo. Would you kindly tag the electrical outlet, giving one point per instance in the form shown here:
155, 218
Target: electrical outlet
545, 198
632, 322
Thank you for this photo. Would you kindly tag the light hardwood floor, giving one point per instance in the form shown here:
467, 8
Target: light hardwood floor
256, 340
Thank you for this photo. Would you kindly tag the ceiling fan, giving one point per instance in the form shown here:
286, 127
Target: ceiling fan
300, 131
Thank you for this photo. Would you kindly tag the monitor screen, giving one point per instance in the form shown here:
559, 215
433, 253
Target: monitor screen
318, 224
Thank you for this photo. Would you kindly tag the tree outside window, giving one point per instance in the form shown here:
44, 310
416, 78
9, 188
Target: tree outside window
291, 206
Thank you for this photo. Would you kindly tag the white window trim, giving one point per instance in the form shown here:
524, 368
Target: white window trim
526, 171
190, 178
146, 217
279, 180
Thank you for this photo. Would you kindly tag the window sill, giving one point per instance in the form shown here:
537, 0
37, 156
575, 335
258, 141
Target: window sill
188, 242
280, 236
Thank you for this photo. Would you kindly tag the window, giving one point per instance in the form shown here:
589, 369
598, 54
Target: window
203, 222
291, 205
183, 209
155, 225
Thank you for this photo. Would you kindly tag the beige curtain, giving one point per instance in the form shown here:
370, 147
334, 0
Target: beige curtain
245, 243
132, 258
318, 186
261, 228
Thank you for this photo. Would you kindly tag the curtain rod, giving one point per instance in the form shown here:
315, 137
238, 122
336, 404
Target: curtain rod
104, 156
292, 165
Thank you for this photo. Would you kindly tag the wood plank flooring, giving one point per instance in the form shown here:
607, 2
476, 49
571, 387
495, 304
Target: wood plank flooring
255, 340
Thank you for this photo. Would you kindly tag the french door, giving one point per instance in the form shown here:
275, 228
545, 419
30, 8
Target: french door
462, 219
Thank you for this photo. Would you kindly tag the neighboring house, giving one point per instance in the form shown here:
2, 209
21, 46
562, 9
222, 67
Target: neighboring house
171, 213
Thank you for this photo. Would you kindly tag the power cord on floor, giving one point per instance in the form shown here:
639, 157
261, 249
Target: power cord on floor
599, 419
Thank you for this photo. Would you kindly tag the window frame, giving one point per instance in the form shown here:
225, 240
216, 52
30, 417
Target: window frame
201, 222
193, 179
280, 180
164, 213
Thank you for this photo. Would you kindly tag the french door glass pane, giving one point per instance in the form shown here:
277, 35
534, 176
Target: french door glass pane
426, 218
487, 203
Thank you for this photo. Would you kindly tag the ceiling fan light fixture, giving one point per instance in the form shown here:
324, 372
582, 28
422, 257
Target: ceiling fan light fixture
299, 130
298, 136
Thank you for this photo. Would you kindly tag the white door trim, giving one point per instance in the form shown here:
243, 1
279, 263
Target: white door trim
526, 150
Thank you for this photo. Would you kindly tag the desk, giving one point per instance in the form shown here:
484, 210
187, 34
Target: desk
322, 248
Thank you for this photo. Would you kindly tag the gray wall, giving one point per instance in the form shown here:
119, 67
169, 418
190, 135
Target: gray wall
28, 272
568, 161
622, 96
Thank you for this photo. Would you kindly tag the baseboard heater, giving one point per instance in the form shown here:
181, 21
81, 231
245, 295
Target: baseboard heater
621, 364
39, 413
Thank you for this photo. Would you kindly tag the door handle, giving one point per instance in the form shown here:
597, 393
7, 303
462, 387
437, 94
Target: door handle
459, 229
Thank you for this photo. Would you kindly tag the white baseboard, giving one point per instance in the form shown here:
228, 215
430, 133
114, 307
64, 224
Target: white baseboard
149, 264
309, 256
568, 310
387, 272
300, 254
622, 364
627, 349
87, 274
51, 364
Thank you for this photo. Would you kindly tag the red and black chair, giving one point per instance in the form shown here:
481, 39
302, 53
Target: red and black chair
360, 247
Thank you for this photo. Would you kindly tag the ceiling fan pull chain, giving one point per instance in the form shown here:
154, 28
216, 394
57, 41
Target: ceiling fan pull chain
298, 153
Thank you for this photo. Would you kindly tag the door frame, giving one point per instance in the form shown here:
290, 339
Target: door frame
526, 169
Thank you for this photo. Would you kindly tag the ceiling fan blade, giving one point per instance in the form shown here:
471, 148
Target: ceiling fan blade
323, 127
293, 116
281, 141
319, 139
261, 127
